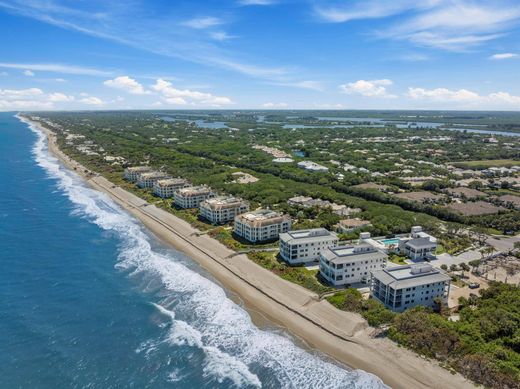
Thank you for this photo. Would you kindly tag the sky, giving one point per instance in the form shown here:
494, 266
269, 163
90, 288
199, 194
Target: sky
259, 54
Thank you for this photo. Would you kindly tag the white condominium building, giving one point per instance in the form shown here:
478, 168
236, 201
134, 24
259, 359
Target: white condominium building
222, 209
167, 187
261, 225
132, 173
306, 245
418, 245
146, 180
351, 264
403, 287
192, 196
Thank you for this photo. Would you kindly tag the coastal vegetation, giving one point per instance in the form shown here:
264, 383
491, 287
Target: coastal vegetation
483, 343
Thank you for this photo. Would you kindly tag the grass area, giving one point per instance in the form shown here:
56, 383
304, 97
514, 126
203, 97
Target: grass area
299, 275
440, 249
397, 259
351, 300
484, 164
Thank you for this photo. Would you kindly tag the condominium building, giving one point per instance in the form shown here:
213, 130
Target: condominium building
403, 287
147, 180
418, 245
132, 173
261, 225
167, 187
222, 209
351, 264
306, 245
192, 196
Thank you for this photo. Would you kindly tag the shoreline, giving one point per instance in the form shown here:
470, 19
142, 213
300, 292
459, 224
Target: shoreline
343, 336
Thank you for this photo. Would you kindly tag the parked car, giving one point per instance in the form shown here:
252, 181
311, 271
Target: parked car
474, 285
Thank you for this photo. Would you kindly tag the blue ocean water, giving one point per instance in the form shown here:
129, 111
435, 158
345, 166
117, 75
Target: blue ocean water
89, 299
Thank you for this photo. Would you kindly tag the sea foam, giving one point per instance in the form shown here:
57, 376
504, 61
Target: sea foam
234, 348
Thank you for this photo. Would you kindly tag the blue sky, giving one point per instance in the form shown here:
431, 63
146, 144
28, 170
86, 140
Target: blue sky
307, 54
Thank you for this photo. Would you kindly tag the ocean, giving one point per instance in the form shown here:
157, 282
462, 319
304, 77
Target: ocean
90, 299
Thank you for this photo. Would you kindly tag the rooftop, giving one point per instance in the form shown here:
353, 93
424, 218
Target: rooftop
171, 182
194, 190
303, 236
221, 202
263, 217
410, 275
352, 252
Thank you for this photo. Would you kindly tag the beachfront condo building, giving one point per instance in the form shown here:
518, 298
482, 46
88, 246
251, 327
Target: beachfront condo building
132, 173
403, 287
302, 246
192, 196
222, 209
351, 264
167, 187
261, 225
418, 245
147, 180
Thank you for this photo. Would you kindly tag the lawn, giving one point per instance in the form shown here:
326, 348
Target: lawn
484, 164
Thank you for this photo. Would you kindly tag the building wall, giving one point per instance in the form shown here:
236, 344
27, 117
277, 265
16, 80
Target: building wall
352, 272
295, 252
190, 201
221, 216
400, 299
262, 233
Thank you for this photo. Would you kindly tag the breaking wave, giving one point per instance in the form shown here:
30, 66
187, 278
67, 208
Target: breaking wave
197, 312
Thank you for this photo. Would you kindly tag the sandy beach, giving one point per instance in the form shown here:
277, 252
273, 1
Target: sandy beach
342, 335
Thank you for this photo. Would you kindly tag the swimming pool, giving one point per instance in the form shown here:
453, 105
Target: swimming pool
389, 242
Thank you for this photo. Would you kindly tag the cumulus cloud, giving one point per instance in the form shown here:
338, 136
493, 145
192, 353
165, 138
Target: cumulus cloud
91, 100
20, 93
368, 88
274, 105
28, 73
176, 96
13, 105
221, 36
60, 97
503, 56
126, 84
466, 98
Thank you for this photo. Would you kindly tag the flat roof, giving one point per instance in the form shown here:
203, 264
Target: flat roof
311, 235
410, 275
200, 189
223, 202
343, 254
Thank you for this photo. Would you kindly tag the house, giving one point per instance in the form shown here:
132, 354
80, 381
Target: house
261, 225
167, 187
147, 180
403, 287
305, 245
192, 196
418, 245
222, 209
348, 225
132, 173
351, 264
312, 166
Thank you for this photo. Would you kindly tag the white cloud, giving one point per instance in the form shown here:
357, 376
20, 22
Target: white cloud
442, 94
13, 105
20, 93
56, 68
466, 98
368, 88
60, 80
28, 73
60, 97
91, 100
443, 24
503, 56
275, 105
220, 36
202, 23
184, 96
126, 84
306, 84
